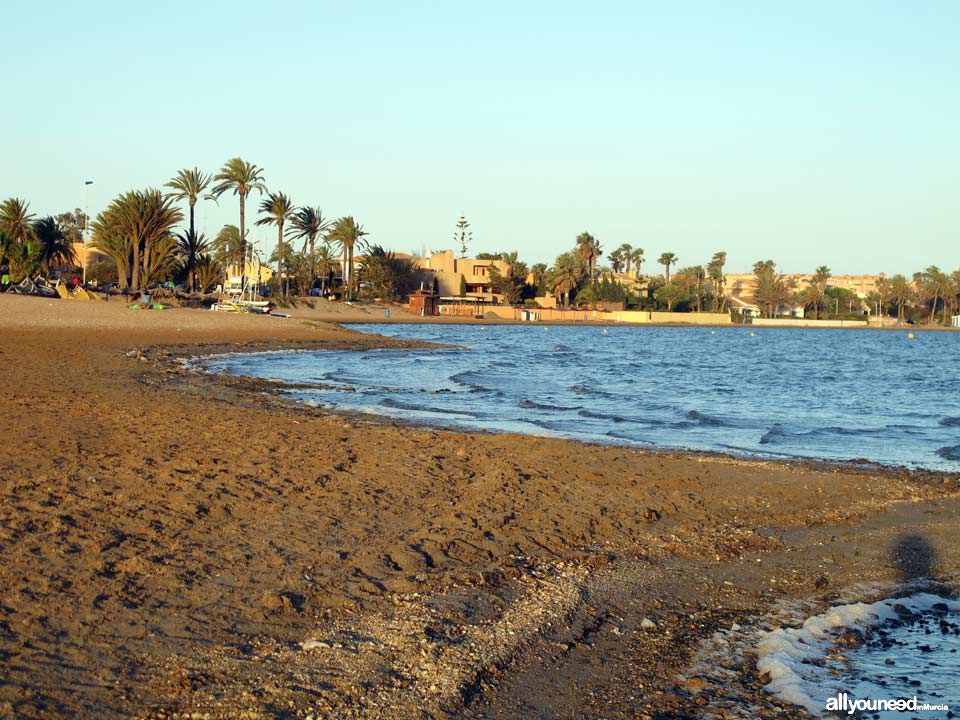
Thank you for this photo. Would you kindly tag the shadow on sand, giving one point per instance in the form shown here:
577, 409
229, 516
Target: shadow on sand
914, 557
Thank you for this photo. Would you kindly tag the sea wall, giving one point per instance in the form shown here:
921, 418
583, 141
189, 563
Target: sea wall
625, 316
807, 322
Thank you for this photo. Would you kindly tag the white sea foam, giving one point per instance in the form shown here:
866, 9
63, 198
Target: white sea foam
792, 656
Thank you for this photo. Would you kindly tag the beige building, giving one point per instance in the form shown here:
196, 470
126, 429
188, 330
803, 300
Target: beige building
87, 255
463, 278
743, 286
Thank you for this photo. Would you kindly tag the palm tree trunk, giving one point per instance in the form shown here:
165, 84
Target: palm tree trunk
135, 266
344, 274
350, 265
243, 241
193, 258
313, 260
281, 288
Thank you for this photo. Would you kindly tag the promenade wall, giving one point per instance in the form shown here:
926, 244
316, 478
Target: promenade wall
808, 322
625, 316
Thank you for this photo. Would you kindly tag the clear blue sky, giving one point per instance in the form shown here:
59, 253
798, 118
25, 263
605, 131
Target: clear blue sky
808, 132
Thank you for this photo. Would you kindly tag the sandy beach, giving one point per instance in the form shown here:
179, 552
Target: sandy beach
175, 544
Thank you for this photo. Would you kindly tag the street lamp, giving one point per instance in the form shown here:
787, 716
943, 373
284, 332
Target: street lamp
86, 225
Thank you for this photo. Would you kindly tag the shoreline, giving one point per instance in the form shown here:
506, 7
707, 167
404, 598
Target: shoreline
444, 604
279, 388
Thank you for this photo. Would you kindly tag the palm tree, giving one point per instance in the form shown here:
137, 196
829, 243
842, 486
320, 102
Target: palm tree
539, 272
324, 261
715, 273
588, 248
617, 260
55, 250
191, 247
566, 275
637, 256
934, 285
227, 246
189, 185
819, 284
135, 231
690, 280
278, 209
208, 271
16, 220
347, 234
626, 251
309, 223
900, 293
243, 178
667, 259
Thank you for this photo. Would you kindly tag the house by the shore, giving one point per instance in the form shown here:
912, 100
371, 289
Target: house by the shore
466, 280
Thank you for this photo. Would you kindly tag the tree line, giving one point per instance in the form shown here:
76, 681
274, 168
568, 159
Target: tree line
137, 232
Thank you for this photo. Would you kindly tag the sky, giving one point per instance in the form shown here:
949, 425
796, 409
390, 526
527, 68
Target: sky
815, 132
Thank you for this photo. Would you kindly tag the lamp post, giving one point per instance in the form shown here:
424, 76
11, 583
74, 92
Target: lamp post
86, 225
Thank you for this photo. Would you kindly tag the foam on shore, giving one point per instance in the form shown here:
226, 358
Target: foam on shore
792, 657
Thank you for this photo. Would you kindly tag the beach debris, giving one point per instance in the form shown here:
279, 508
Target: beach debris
314, 644
648, 624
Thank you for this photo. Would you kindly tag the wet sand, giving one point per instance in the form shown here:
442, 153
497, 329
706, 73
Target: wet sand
174, 544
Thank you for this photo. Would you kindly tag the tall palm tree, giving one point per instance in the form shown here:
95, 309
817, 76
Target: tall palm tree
243, 178
819, 284
637, 256
189, 185
588, 248
278, 209
309, 223
715, 273
55, 249
16, 220
616, 260
625, 251
347, 234
667, 259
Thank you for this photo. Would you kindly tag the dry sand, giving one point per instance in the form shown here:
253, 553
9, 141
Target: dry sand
169, 541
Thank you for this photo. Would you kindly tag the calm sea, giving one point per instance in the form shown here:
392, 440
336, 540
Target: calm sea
840, 395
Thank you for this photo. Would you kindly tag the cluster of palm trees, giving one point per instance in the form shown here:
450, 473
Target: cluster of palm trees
575, 274
31, 246
136, 231
928, 293
933, 290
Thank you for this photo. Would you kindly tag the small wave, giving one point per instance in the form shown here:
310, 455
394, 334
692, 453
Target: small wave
951, 452
398, 405
601, 416
702, 419
777, 434
581, 389
624, 436
467, 378
950, 421
531, 405
773, 435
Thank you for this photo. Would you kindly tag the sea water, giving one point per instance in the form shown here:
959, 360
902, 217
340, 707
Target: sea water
834, 395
